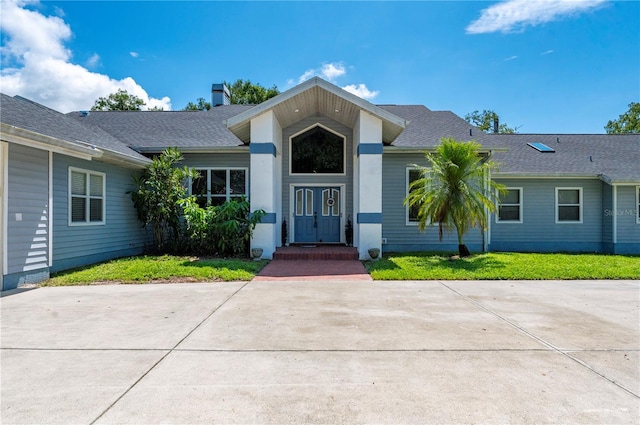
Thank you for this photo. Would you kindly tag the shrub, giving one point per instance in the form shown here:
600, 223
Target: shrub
223, 230
159, 190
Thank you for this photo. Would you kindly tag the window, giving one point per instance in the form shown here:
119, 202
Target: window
568, 205
413, 174
510, 209
86, 197
215, 186
317, 151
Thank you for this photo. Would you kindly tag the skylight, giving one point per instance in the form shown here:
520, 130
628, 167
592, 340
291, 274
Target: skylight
541, 147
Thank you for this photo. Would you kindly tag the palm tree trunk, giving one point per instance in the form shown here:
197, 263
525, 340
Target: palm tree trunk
463, 251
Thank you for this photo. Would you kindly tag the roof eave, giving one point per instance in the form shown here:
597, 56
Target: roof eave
619, 182
197, 149
414, 149
30, 138
510, 174
77, 149
127, 161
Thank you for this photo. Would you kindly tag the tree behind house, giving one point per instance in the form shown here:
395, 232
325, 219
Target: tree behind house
119, 101
244, 92
486, 121
454, 190
200, 105
627, 123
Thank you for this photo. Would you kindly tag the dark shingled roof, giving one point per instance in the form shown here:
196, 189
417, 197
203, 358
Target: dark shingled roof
615, 156
206, 129
427, 127
28, 115
156, 130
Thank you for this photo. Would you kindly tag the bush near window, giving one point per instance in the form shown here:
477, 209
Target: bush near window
159, 190
179, 224
222, 230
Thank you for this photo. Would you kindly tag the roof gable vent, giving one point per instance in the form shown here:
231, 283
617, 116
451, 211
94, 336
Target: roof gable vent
541, 147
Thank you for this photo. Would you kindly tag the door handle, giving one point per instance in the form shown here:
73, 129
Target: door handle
315, 219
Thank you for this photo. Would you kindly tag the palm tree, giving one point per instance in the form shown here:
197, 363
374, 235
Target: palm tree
455, 190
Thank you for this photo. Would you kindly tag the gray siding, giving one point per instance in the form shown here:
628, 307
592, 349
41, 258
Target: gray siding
628, 227
399, 235
28, 209
217, 160
79, 245
539, 231
288, 179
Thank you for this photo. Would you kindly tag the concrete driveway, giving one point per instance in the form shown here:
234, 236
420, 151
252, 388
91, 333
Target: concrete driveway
323, 352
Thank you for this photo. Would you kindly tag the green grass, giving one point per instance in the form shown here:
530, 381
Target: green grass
407, 266
146, 269
517, 266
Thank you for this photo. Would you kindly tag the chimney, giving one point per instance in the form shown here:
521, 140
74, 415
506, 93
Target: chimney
220, 95
496, 124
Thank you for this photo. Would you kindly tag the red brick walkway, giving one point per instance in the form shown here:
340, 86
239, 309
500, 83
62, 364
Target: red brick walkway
332, 270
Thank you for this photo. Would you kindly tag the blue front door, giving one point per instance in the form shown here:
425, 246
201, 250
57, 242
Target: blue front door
317, 214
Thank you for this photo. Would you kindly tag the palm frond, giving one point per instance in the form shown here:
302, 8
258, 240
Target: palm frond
454, 190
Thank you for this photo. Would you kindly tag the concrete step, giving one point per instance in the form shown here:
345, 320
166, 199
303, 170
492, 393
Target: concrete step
316, 252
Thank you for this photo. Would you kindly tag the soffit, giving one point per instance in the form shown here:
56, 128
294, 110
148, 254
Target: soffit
316, 97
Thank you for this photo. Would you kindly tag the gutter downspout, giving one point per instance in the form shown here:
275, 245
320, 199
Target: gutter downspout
615, 217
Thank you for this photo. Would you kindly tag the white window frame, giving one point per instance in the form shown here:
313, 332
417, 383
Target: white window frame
580, 205
324, 127
407, 220
228, 194
88, 197
520, 205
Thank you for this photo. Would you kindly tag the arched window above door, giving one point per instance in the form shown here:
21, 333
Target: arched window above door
318, 151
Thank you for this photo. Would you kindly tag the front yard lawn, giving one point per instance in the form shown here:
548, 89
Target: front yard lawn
496, 265
166, 268
400, 266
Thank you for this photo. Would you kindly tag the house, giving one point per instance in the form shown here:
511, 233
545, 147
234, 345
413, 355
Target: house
315, 157
64, 201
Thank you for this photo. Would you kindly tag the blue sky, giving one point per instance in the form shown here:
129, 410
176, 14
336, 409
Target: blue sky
549, 66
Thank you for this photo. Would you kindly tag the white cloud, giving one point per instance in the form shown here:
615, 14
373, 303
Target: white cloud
361, 90
548, 52
510, 58
93, 60
41, 67
310, 73
515, 15
331, 71
134, 54
31, 33
328, 71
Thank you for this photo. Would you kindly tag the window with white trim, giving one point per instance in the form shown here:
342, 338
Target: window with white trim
86, 197
411, 212
215, 186
317, 150
510, 208
568, 205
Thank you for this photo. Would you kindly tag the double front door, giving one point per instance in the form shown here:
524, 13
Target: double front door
317, 214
